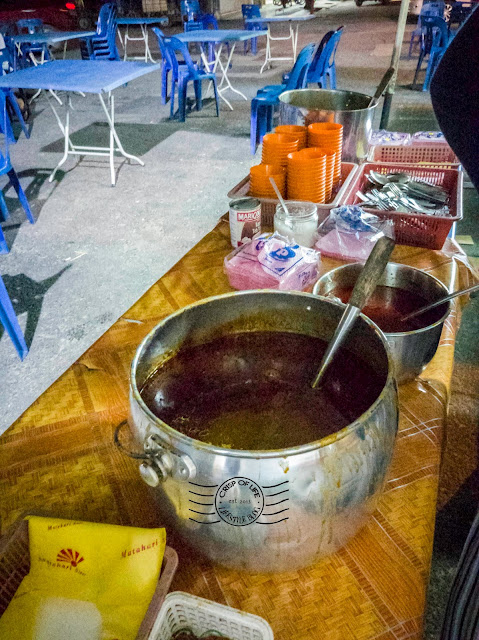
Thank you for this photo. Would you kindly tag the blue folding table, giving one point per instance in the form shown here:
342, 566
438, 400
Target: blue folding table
281, 15
220, 37
143, 23
44, 38
87, 76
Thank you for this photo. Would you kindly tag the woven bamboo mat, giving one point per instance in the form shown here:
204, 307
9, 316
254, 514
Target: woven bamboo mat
59, 459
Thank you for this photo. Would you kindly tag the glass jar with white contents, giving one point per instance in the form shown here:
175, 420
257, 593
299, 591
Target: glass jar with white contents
299, 224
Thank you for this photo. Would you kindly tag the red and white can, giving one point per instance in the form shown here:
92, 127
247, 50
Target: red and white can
245, 220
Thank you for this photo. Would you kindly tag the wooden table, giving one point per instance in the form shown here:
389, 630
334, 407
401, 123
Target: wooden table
59, 459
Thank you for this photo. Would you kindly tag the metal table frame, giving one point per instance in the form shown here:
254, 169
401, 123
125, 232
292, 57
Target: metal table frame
294, 16
89, 76
143, 23
220, 37
45, 38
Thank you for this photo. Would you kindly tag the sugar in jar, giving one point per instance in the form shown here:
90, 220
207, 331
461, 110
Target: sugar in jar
299, 224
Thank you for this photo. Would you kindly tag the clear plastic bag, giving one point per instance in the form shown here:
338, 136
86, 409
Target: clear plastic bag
349, 233
271, 261
424, 137
383, 137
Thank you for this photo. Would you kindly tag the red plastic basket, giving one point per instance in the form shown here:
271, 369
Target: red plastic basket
15, 564
268, 205
415, 229
432, 153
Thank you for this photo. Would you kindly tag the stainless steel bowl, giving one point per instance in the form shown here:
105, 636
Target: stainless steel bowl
411, 350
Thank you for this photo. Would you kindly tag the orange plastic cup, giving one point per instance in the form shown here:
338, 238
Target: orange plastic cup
294, 132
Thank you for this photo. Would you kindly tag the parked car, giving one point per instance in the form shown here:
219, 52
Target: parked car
63, 15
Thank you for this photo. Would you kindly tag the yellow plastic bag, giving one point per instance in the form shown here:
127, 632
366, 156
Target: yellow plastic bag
113, 567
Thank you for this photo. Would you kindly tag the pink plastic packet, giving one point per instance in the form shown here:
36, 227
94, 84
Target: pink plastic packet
349, 233
271, 261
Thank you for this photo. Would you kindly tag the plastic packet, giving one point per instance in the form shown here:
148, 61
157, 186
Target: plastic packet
271, 261
349, 233
383, 137
423, 137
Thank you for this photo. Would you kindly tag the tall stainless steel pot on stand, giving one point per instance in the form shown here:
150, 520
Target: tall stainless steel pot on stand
270, 510
351, 109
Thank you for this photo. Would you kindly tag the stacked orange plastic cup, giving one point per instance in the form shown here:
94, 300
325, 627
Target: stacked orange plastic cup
276, 148
306, 175
294, 132
328, 135
260, 184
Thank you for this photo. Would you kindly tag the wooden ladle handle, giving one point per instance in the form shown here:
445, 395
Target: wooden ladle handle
371, 272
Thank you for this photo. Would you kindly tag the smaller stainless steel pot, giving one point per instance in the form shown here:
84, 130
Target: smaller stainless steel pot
411, 350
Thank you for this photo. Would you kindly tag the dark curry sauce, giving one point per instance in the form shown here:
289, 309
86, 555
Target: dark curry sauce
252, 391
387, 306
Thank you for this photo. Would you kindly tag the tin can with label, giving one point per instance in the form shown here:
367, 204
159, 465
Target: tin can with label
245, 219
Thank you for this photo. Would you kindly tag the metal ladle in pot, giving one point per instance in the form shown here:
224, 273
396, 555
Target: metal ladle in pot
364, 287
432, 305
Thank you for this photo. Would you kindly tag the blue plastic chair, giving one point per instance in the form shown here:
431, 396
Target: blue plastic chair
182, 74
102, 46
251, 11
323, 67
6, 66
167, 64
6, 168
31, 26
10, 322
263, 105
434, 43
460, 11
190, 10
428, 9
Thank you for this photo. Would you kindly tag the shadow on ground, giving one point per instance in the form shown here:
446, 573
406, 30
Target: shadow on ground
17, 218
27, 297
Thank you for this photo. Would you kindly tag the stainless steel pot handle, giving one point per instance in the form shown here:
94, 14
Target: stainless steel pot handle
130, 454
158, 462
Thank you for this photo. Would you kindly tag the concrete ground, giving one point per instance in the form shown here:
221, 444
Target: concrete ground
112, 241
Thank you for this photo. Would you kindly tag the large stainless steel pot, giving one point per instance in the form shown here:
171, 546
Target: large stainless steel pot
285, 507
411, 350
351, 109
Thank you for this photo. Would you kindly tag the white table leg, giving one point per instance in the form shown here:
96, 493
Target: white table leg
66, 133
269, 38
111, 102
111, 121
83, 150
294, 39
267, 60
119, 36
125, 43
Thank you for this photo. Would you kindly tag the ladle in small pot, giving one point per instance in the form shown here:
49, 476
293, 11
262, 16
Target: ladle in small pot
432, 305
364, 287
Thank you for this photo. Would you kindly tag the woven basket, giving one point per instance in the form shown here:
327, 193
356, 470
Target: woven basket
432, 154
204, 617
415, 229
15, 564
